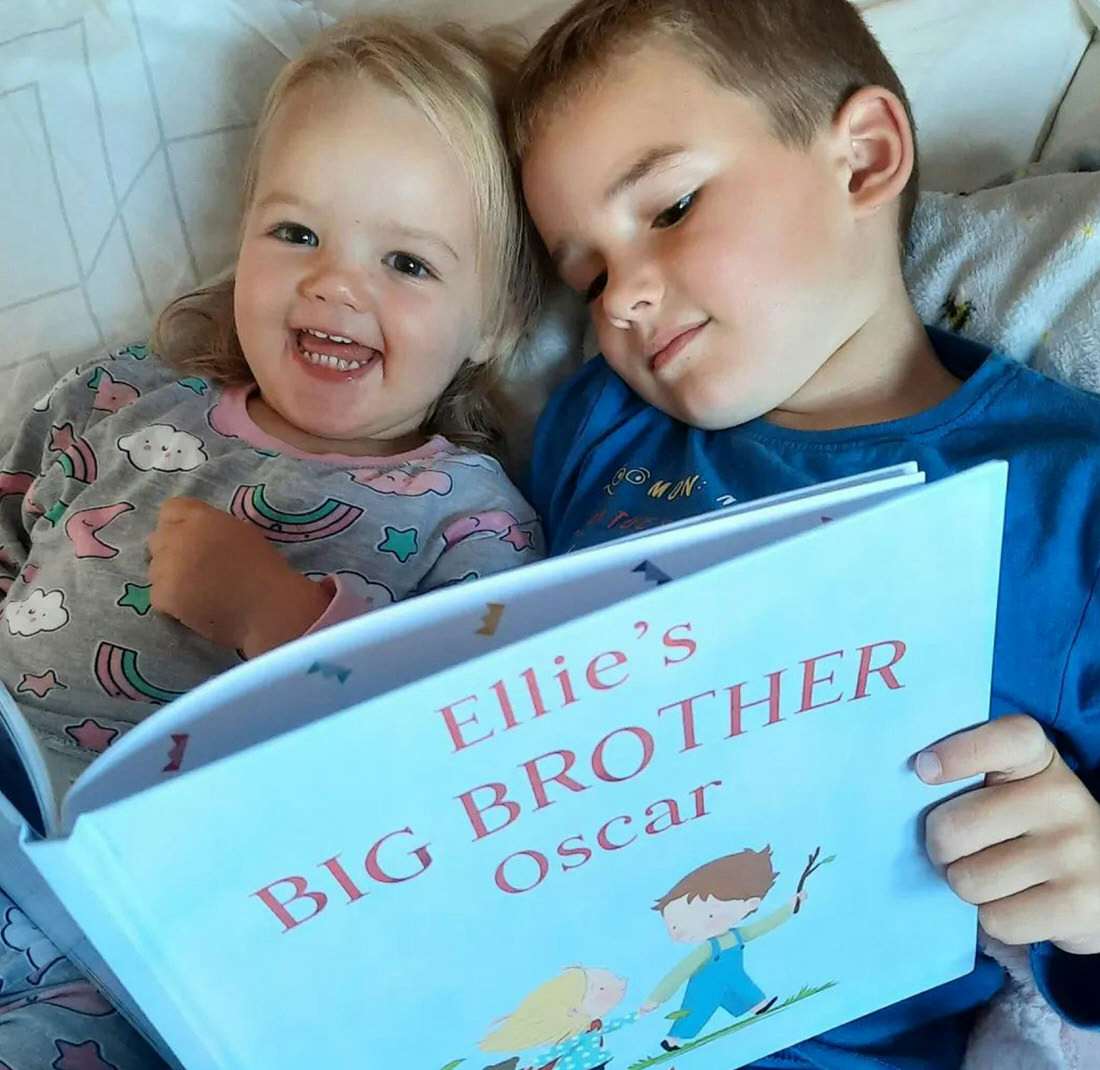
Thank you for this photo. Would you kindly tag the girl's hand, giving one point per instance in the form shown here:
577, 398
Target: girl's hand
221, 578
1025, 847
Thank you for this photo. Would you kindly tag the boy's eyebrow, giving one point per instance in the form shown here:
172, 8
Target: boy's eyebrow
294, 201
648, 162
645, 165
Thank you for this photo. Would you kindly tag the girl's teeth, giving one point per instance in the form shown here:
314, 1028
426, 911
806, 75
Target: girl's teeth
326, 361
330, 337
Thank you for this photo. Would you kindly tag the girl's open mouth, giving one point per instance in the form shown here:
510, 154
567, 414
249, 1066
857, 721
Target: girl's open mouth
331, 358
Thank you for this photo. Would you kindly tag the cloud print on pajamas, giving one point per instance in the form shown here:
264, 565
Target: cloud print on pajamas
162, 448
43, 611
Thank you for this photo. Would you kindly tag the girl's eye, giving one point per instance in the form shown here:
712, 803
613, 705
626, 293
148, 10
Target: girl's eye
671, 216
595, 288
294, 234
409, 265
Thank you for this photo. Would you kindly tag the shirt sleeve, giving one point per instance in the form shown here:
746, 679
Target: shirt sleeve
488, 528
1071, 983
679, 974
620, 1023
344, 604
47, 435
765, 925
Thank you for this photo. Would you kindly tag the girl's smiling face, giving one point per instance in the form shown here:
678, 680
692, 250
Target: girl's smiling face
357, 295
603, 991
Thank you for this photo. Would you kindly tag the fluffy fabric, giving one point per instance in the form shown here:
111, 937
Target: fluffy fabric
1019, 1030
1016, 266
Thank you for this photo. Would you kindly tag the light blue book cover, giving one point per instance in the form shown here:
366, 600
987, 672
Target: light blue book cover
679, 829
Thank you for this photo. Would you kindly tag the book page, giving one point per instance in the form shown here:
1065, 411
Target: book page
359, 659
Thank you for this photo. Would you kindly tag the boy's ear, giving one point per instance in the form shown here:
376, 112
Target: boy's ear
878, 146
754, 903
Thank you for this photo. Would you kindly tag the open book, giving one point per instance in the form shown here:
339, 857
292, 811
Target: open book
458, 832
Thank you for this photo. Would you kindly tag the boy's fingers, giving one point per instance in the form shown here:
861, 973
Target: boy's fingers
978, 819
1027, 917
1005, 869
1010, 748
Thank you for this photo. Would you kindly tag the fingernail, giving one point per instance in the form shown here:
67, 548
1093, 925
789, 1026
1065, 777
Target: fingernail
928, 766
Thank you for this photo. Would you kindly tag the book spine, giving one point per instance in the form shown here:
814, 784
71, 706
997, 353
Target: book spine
122, 947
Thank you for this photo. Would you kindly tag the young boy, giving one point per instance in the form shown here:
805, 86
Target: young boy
729, 183
706, 908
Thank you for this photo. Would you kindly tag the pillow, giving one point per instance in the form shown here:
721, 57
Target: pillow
1017, 266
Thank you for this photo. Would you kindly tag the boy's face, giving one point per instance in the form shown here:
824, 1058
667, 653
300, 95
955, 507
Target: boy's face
700, 919
721, 267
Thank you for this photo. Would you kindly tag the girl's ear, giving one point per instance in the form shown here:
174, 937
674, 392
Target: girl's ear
754, 903
482, 351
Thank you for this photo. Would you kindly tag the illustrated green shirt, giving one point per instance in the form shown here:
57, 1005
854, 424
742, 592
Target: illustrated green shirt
687, 966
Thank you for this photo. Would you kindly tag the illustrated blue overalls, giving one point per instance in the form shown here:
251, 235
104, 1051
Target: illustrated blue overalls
722, 982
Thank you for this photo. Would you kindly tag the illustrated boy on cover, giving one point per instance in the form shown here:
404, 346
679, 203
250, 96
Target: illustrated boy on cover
705, 908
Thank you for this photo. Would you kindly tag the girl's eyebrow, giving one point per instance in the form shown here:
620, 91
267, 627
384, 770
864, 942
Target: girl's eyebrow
279, 197
427, 236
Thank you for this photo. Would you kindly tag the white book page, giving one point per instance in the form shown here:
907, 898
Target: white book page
360, 659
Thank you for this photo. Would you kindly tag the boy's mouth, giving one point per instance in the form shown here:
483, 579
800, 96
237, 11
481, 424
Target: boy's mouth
332, 357
670, 346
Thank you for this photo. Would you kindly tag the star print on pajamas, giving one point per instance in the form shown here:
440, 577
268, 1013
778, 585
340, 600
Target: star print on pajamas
401, 542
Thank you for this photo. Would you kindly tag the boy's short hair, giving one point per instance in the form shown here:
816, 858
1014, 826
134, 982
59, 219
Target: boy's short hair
747, 874
802, 59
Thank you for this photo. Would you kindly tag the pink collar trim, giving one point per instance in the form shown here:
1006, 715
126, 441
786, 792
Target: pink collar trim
231, 418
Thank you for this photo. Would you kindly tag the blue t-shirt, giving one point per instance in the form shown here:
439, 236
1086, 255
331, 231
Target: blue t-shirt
607, 464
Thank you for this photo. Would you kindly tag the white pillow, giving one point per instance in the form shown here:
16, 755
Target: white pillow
1018, 267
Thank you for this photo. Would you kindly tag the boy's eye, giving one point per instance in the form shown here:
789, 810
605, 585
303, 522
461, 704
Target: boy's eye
295, 234
406, 264
595, 288
671, 216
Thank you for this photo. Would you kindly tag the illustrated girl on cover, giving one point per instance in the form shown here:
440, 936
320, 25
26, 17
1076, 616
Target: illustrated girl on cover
561, 1022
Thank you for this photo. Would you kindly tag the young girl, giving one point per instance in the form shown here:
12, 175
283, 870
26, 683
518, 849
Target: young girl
309, 441
563, 1020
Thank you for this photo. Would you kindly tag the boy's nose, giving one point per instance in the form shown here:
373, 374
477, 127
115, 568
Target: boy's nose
632, 298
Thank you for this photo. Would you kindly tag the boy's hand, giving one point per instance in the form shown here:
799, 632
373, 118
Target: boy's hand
221, 578
798, 899
648, 1007
1025, 848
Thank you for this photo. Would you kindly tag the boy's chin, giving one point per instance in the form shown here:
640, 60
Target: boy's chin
710, 417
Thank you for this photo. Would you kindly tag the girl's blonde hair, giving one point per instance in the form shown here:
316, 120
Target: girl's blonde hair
549, 1015
461, 86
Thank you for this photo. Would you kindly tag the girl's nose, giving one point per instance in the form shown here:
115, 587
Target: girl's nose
337, 283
